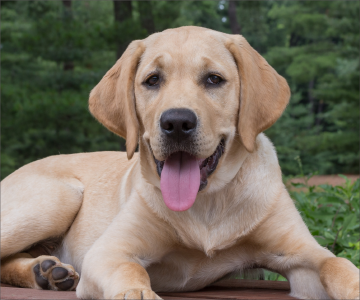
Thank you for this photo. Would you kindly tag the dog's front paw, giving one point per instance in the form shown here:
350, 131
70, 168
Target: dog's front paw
136, 294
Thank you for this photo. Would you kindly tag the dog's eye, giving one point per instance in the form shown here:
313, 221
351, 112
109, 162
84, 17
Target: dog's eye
153, 80
214, 79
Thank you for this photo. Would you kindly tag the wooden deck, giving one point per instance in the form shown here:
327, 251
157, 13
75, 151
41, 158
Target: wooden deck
226, 289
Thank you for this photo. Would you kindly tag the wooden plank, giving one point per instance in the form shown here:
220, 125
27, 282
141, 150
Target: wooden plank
233, 294
14, 293
253, 284
179, 298
20, 293
213, 292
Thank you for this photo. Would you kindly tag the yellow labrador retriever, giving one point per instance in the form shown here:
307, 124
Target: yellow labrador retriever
203, 197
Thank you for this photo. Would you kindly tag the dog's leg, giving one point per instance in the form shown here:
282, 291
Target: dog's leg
35, 207
43, 272
305, 283
323, 276
340, 278
313, 271
115, 266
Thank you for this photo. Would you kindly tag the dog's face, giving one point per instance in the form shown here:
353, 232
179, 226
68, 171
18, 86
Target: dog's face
188, 93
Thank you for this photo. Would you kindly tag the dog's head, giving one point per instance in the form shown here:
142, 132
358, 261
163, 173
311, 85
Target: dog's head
188, 94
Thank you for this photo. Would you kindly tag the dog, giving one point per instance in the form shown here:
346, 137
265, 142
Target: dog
202, 198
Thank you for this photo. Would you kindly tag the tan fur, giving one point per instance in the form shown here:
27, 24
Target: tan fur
112, 101
117, 230
261, 104
17, 270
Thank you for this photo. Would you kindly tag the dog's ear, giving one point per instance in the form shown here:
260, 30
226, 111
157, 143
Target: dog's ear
112, 101
264, 94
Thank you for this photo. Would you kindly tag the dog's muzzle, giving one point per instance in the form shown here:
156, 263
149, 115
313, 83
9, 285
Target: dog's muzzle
182, 173
182, 176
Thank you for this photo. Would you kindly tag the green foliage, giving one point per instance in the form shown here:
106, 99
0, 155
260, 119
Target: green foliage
332, 215
320, 60
44, 108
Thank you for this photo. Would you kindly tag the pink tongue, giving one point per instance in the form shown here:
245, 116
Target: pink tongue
180, 181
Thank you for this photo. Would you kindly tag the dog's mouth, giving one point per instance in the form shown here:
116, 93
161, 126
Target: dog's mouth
182, 176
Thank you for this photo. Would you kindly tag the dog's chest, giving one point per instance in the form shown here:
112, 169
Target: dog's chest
187, 269
211, 234
207, 239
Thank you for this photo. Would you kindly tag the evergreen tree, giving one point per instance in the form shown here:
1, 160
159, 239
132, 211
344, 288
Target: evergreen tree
320, 59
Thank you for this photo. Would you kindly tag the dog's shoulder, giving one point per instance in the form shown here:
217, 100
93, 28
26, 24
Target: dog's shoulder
266, 149
263, 160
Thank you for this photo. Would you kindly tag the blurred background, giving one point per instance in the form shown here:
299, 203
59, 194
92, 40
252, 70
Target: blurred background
54, 52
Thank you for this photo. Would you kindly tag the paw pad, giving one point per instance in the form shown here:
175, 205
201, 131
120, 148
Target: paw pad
40, 280
51, 274
65, 285
47, 264
59, 273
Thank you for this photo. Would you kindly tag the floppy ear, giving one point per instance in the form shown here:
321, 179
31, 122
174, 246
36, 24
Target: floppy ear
264, 94
112, 101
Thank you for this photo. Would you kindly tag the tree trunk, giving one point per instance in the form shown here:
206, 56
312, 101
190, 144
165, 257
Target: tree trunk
146, 16
234, 25
311, 99
67, 4
320, 110
122, 12
68, 65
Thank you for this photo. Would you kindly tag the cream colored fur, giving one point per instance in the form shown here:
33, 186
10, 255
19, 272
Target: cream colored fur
115, 228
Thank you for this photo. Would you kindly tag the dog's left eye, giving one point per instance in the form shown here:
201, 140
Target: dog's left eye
153, 80
214, 79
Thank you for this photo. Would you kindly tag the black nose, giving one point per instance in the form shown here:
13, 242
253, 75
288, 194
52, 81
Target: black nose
178, 123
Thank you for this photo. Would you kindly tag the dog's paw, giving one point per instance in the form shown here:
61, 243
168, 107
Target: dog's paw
136, 294
51, 274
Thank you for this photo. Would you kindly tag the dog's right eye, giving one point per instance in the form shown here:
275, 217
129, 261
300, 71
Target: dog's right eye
214, 79
153, 80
